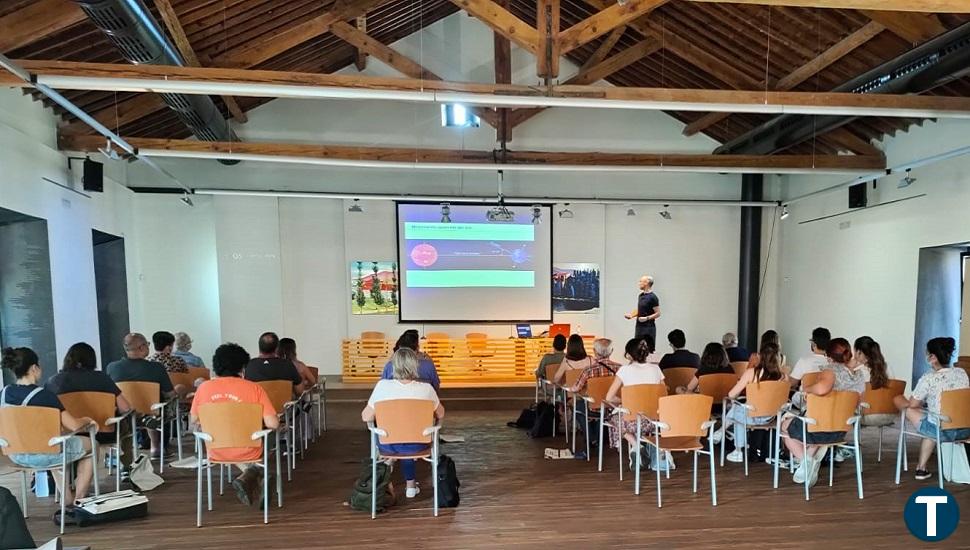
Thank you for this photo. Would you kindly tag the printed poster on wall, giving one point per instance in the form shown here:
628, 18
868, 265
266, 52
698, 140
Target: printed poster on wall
373, 287
576, 288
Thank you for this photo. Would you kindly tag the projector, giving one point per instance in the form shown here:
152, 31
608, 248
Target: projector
500, 214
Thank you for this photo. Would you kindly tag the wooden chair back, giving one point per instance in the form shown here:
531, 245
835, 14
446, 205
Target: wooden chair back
551, 370
881, 401
716, 386
199, 372
810, 378
956, 405
404, 420
372, 335
96, 405
831, 412
29, 429
182, 379
279, 392
437, 336
642, 399
572, 375
739, 367
678, 376
140, 395
477, 342
231, 424
597, 388
766, 397
684, 414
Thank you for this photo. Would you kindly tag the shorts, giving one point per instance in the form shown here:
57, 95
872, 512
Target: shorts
813, 438
928, 429
48, 461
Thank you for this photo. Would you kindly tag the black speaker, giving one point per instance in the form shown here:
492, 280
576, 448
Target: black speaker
93, 179
857, 196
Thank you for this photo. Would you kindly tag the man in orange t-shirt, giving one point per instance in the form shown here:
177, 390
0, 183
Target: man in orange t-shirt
228, 363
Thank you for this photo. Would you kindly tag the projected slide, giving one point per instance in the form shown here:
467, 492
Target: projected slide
467, 268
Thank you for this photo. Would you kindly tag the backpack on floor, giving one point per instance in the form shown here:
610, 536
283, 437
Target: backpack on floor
13, 528
759, 445
527, 419
360, 498
545, 417
448, 483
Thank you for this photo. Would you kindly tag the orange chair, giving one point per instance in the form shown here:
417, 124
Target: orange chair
683, 421
881, 402
954, 414
280, 394
810, 378
834, 412
233, 425
319, 396
716, 386
27, 429
761, 399
404, 421
596, 390
739, 367
199, 372
676, 377
143, 398
100, 407
638, 403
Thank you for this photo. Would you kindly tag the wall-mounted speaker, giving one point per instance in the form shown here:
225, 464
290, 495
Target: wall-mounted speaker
93, 178
857, 196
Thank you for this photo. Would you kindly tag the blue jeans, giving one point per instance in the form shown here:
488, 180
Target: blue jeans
44, 461
407, 465
737, 415
928, 429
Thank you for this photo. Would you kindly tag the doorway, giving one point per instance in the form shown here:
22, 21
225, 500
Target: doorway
111, 284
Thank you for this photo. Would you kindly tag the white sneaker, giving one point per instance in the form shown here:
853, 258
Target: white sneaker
841, 455
718, 436
813, 478
670, 461
412, 492
737, 455
801, 470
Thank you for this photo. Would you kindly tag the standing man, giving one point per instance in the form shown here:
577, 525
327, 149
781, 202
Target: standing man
647, 312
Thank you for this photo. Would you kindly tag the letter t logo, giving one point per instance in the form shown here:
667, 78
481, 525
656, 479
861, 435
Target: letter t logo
931, 502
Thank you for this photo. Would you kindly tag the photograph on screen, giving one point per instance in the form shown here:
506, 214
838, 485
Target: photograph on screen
373, 287
576, 288
463, 263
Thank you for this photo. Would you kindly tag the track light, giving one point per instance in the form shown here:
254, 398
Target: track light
631, 212
907, 180
784, 212
536, 214
566, 213
108, 151
186, 200
445, 212
355, 207
665, 214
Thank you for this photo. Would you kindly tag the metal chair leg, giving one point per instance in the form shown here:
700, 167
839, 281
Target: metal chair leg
831, 463
858, 466
198, 485
695, 471
879, 452
23, 491
710, 450
279, 474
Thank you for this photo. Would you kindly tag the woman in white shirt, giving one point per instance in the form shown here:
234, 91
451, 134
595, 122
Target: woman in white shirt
638, 371
404, 385
928, 391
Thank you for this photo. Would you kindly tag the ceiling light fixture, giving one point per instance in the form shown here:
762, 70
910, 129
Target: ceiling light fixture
566, 213
536, 214
186, 200
108, 151
665, 214
784, 212
355, 207
907, 180
445, 212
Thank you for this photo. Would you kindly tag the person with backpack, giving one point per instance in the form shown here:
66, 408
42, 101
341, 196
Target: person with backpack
404, 385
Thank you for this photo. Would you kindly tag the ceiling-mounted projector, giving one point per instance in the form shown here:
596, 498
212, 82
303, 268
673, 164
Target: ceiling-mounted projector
500, 214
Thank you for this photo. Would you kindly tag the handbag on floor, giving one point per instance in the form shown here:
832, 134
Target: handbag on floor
956, 468
110, 507
142, 474
448, 483
360, 498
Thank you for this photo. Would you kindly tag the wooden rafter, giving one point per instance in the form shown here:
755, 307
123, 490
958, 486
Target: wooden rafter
503, 75
611, 16
37, 20
360, 60
547, 21
803, 73
185, 48
940, 6
605, 47
447, 156
914, 27
503, 22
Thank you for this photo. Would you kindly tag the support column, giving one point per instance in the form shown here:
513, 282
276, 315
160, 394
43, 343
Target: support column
749, 270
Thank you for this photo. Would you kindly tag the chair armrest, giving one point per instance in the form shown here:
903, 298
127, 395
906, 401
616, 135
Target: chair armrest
805, 419
854, 420
708, 424
737, 401
160, 406
587, 399
64, 437
290, 404
116, 419
3, 442
618, 409
202, 436
864, 405
261, 434
661, 426
375, 430
941, 417
431, 430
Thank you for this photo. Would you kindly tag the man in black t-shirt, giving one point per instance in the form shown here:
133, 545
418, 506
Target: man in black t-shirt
647, 312
681, 356
267, 366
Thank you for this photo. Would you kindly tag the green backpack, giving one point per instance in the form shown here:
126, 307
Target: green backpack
360, 498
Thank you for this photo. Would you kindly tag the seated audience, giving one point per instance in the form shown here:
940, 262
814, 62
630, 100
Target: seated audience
815, 361
928, 392
79, 373
770, 337
23, 362
834, 376
136, 368
183, 350
287, 350
869, 361
681, 356
228, 387
734, 351
637, 371
713, 361
576, 358
164, 342
268, 366
404, 385
554, 358
767, 369
602, 364
426, 370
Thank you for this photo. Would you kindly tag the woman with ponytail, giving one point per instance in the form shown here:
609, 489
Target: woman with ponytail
868, 360
939, 352
767, 368
637, 371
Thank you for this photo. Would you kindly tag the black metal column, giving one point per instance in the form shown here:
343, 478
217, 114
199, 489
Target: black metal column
749, 271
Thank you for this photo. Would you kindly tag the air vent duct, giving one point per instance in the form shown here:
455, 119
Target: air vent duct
131, 28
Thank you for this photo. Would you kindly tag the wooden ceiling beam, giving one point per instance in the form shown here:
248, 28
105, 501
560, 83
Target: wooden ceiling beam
37, 20
547, 23
913, 27
803, 73
502, 48
503, 22
360, 60
171, 20
936, 6
604, 49
447, 156
611, 16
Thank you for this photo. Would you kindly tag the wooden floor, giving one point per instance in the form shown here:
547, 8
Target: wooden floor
511, 497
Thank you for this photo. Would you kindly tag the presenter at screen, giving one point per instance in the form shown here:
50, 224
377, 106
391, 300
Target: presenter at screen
648, 310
